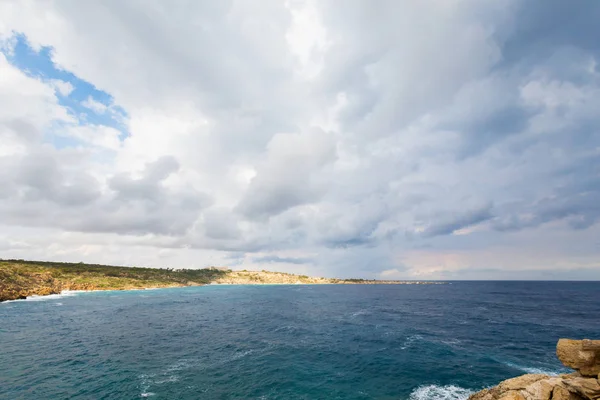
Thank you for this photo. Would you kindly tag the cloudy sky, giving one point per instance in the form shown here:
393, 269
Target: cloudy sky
419, 139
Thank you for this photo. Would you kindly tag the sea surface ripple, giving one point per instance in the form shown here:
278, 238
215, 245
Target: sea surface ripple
406, 342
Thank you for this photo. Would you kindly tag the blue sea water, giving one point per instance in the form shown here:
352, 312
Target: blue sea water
433, 342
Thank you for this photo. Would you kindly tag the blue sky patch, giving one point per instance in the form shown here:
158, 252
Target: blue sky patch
39, 64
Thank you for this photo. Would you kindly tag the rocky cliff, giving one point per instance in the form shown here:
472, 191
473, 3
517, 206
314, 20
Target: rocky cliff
583, 384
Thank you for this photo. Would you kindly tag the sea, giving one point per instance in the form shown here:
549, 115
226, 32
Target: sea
407, 342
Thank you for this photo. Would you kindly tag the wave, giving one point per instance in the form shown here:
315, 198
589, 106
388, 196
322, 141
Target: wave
536, 370
172, 373
410, 340
435, 392
451, 342
63, 294
70, 293
359, 313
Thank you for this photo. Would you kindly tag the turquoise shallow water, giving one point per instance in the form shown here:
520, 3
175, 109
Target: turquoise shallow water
437, 342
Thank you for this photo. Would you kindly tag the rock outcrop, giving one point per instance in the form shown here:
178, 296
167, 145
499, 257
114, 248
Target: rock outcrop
581, 355
583, 384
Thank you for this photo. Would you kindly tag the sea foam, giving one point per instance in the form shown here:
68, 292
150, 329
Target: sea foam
536, 370
435, 392
63, 294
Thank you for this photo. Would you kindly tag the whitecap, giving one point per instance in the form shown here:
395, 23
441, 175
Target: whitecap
147, 394
359, 313
536, 370
63, 294
183, 364
74, 292
410, 340
40, 298
167, 379
238, 355
452, 342
434, 392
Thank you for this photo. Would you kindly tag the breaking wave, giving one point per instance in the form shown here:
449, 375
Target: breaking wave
536, 370
434, 392
63, 294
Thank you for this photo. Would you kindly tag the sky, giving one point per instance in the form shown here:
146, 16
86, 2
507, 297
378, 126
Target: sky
415, 139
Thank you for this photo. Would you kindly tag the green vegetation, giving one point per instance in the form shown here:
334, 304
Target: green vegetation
20, 279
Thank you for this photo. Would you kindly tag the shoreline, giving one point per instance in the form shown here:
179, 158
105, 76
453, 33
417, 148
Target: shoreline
20, 279
68, 292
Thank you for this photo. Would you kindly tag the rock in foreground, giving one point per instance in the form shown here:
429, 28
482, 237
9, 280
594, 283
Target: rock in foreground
583, 384
581, 355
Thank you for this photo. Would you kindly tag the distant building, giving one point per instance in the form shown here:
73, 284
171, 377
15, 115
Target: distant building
220, 268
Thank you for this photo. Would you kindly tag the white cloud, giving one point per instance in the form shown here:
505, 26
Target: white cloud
394, 137
63, 87
96, 106
290, 175
27, 108
96, 135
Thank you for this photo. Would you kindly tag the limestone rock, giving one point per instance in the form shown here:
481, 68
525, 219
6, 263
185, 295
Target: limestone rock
583, 384
540, 387
588, 388
581, 355
574, 374
520, 382
512, 395
540, 390
485, 394
525, 387
561, 393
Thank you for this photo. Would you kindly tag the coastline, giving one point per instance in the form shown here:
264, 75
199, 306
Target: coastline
68, 292
21, 279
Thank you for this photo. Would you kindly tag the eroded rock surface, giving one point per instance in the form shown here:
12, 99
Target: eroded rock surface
581, 355
583, 384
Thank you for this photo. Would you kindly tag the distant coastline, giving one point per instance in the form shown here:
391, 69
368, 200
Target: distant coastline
20, 279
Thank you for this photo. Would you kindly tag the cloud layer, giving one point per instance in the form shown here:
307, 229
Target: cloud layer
422, 139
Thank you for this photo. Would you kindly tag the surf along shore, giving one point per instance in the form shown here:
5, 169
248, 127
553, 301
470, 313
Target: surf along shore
20, 279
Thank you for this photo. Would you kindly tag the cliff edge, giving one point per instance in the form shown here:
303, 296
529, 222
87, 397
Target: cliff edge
583, 384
